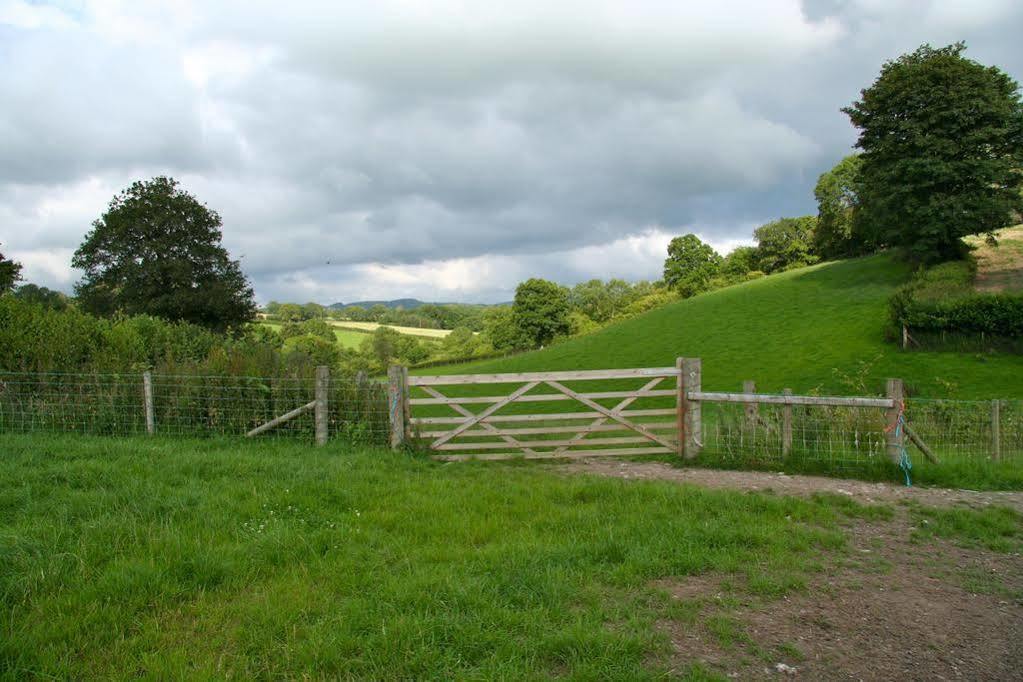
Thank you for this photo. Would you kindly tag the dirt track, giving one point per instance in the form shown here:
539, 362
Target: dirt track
796, 484
891, 607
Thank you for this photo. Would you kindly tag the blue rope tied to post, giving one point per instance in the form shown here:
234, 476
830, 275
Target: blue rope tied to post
904, 462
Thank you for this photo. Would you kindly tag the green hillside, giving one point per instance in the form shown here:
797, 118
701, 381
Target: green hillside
815, 328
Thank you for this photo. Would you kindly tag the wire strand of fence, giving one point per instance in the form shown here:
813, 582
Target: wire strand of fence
187, 405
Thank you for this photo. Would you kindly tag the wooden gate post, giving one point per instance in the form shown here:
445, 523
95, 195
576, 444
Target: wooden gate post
693, 422
398, 404
320, 413
996, 430
786, 425
895, 437
680, 406
147, 399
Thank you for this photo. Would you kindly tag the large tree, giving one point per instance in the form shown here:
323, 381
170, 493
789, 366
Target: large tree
837, 194
785, 243
942, 141
690, 265
157, 250
10, 273
540, 311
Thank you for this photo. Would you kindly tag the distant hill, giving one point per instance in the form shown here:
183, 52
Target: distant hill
406, 303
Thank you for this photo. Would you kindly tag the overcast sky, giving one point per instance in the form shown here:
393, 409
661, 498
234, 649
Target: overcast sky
445, 150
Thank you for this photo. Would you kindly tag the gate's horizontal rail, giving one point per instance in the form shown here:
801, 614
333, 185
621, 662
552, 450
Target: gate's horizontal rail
553, 416
586, 375
658, 426
611, 452
542, 443
543, 398
825, 401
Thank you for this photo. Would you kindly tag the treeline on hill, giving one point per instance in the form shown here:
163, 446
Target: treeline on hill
425, 316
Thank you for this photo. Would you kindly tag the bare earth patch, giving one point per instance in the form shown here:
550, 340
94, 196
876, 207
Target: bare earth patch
861, 491
1000, 268
894, 610
893, 606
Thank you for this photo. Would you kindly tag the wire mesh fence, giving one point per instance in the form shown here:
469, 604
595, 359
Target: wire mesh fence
188, 405
973, 440
982, 437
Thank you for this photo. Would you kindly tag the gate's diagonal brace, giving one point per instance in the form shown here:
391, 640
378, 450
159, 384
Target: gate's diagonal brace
277, 421
477, 418
488, 427
611, 414
580, 437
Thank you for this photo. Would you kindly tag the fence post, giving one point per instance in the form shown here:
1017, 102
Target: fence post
407, 405
320, 414
147, 399
680, 406
894, 436
786, 425
996, 430
398, 406
752, 409
693, 422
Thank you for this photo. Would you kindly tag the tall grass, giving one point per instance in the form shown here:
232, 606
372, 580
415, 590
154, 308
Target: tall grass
195, 559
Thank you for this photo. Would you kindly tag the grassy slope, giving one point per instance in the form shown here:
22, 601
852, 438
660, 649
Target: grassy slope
177, 559
803, 329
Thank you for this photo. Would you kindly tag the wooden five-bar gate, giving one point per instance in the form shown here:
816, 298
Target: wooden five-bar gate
548, 415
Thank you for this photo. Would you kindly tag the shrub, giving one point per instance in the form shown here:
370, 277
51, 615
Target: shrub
941, 299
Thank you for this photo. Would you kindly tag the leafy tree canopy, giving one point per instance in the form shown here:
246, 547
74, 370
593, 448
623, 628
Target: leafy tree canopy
158, 251
10, 273
690, 265
500, 330
786, 243
741, 260
37, 295
540, 311
837, 194
942, 141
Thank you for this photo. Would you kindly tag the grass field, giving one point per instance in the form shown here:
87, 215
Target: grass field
197, 559
214, 559
814, 328
347, 338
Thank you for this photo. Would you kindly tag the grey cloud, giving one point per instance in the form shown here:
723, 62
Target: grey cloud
409, 135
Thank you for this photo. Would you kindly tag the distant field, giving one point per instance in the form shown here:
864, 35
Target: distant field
372, 326
1000, 268
347, 338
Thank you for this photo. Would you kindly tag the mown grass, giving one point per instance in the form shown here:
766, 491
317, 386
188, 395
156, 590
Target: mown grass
195, 559
817, 328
